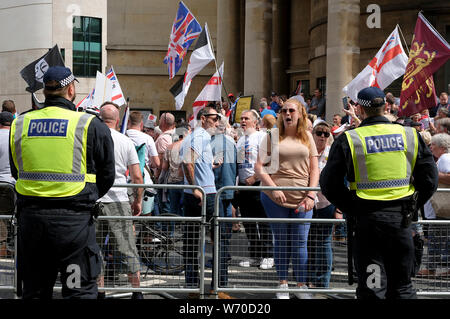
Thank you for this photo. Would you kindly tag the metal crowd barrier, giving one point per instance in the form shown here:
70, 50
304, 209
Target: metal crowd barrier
240, 280
425, 286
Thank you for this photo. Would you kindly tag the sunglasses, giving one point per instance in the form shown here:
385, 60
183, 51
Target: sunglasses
320, 133
216, 117
284, 111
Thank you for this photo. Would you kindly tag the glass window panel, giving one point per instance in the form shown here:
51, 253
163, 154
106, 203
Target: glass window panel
87, 46
77, 24
95, 25
95, 47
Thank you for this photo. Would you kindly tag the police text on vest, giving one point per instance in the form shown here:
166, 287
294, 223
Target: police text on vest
384, 143
48, 127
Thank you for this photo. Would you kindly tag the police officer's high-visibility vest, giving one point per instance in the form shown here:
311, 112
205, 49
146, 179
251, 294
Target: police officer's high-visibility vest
383, 156
48, 147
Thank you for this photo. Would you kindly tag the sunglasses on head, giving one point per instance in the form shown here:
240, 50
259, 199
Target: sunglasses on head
286, 110
216, 117
320, 133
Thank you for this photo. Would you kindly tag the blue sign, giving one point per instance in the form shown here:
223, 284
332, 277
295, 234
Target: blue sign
384, 143
48, 127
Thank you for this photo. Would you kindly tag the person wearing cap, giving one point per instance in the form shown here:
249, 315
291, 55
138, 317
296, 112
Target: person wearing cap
388, 167
63, 162
232, 98
275, 104
150, 129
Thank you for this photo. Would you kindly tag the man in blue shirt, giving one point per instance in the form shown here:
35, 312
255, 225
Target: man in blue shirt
225, 172
443, 103
197, 163
265, 110
274, 105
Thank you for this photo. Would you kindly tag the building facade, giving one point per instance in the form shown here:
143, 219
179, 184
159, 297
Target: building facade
266, 45
29, 28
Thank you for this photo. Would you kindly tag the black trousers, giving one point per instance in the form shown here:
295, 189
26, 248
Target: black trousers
384, 256
259, 235
57, 240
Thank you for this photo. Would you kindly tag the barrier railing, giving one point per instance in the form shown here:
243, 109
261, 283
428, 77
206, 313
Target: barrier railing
429, 286
218, 220
201, 220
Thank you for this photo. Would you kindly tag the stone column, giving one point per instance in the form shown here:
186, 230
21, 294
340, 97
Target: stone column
280, 46
258, 34
342, 51
228, 44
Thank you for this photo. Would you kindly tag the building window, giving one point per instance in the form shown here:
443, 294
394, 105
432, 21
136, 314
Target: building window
322, 84
87, 46
304, 86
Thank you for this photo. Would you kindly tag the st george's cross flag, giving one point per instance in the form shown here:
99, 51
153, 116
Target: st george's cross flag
200, 57
34, 72
116, 94
387, 65
210, 93
185, 30
429, 51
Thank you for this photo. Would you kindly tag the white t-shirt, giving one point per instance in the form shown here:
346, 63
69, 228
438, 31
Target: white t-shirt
5, 170
125, 154
138, 138
247, 154
443, 165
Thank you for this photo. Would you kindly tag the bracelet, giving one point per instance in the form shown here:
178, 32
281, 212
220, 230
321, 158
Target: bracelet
311, 197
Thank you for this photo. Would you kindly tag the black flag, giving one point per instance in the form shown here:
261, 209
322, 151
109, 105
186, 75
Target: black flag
33, 73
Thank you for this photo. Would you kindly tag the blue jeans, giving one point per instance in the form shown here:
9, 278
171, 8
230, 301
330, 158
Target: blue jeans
224, 239
320, 253
176, 200
438, 247
191, 236
290, 240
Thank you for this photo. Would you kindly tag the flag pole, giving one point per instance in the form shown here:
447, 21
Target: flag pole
217, 69
401, 34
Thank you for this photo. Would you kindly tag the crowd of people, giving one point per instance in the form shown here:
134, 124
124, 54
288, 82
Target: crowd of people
217, 152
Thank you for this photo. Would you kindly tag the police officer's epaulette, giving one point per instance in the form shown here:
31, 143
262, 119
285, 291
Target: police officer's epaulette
28, 111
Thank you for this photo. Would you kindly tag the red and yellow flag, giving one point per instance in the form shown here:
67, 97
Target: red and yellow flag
429, 51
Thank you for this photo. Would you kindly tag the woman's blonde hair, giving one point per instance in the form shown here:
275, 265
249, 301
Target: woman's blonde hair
269, 121
302, 127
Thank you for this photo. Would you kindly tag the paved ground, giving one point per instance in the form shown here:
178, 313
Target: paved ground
238, 277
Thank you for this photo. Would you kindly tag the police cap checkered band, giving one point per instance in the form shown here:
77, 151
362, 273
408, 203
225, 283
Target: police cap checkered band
60, 74
366, 96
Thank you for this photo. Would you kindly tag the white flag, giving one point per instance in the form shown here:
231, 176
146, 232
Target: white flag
387, 65
103, 90
200, 57
116, 94
210, 93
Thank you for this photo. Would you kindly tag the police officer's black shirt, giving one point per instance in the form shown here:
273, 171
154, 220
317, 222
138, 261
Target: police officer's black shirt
339, 169
99, 161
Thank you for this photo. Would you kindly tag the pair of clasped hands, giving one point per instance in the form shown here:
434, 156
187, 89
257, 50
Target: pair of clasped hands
305, 205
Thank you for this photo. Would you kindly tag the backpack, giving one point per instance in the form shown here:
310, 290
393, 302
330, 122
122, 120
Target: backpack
141, 150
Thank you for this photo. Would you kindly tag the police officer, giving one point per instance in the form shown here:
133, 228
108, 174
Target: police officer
386, 166
63, 162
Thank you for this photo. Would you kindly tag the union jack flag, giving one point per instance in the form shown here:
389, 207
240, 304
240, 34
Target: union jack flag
117, 94
185, 30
